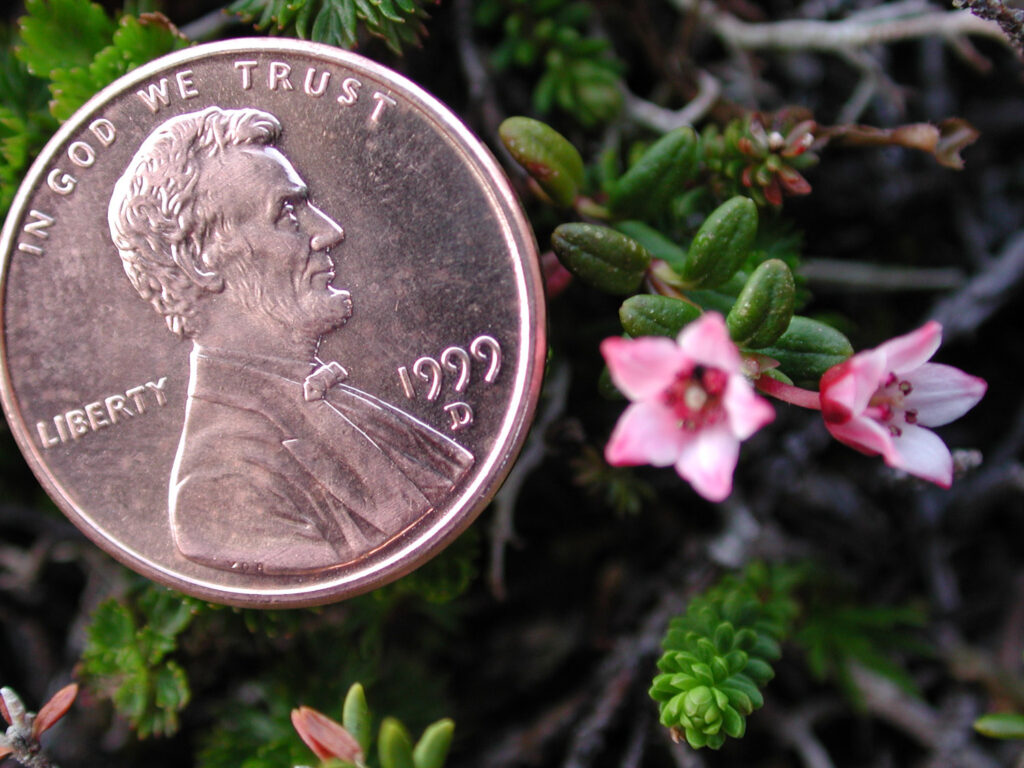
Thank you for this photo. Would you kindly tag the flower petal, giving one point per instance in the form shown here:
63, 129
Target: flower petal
942, 393
847, 388
706, 341
708, 462
746, 412
642, 368
910, 351
646, 433
921, 452
864, 435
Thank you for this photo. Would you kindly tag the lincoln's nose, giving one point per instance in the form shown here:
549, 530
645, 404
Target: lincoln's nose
326, 231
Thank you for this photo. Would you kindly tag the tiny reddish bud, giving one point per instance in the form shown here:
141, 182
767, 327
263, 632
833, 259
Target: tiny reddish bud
556, 277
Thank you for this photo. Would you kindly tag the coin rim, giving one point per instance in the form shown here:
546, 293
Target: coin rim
525, 392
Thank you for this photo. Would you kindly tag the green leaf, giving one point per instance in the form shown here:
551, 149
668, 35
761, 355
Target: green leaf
169, 612
721, 244
807, 349
336, 22
446, 576
70, 88
650, 315
131, 698
659, 246
112, 627
764, 309
606, 259
48, 42
136, 41
1001, 725
696, 739
125, 658
733, 723
708, 682
356, 717
171, 691
330, 26
759, 671
432, 748
713, 301
393, 745
661, 173
152, 646
546, 155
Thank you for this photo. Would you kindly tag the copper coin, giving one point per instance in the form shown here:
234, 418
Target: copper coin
272, 322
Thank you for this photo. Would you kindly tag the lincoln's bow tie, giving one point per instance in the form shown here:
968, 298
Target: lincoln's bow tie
322, 379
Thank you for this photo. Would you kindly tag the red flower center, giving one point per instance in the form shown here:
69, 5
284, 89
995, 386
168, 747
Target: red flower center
887, 404
696, 396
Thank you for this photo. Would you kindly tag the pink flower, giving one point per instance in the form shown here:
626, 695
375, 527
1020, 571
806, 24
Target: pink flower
881, 400
691, 404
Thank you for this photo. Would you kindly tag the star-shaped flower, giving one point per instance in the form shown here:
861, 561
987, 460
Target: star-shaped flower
691, 406
881, 401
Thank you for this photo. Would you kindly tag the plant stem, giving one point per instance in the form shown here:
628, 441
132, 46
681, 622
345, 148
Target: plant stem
788, 393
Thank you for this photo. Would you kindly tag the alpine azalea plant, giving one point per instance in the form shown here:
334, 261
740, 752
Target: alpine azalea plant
882, 401
691, 404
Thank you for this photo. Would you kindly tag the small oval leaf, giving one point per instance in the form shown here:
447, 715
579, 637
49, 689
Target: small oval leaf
606, 259
647, 315
764, 308
807, 349
659, 246
722, 243
546, 155
394, 746
355, 716
432, 748
660, 174
1001, 725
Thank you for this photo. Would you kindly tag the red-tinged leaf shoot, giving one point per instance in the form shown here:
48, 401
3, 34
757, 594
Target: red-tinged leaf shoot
773, 193
326, 737
54, 709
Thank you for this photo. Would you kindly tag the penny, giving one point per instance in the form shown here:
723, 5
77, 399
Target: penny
272, 324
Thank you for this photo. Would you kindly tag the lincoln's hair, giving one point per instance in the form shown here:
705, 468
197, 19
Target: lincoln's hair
161, 219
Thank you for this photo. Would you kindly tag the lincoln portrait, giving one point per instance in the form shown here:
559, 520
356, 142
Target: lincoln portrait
282, 467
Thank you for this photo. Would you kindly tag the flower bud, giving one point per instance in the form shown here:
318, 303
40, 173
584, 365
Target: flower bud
546, 155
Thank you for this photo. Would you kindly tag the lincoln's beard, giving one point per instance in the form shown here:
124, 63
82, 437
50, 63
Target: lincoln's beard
303, 310
305, 315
